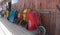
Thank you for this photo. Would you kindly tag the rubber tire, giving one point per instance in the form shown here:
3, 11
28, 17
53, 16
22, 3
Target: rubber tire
16, 21
26, 26
42, 30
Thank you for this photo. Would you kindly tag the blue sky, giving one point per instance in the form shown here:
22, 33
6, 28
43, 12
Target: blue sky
14, 1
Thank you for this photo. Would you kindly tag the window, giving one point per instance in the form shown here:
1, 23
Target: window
14, 1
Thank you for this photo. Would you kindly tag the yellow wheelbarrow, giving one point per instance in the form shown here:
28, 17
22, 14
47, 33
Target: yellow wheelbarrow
7, 13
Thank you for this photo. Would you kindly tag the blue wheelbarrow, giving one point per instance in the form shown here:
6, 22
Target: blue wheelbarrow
13, 15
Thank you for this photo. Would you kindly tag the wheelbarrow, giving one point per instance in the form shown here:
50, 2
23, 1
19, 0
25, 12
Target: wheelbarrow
22, 17
34, 23
7, 14
13, 15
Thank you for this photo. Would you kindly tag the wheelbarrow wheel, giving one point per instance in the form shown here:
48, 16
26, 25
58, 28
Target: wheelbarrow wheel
16, 21
42, 30
21, 22
26, 26
7, 18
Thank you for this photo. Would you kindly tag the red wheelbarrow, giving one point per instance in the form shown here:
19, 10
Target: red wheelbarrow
32, 21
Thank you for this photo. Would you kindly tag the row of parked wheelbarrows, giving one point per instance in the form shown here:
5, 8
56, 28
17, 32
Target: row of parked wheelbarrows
29, 19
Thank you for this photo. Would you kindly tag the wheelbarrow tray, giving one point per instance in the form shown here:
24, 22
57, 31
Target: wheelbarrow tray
34, 20
12, 15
